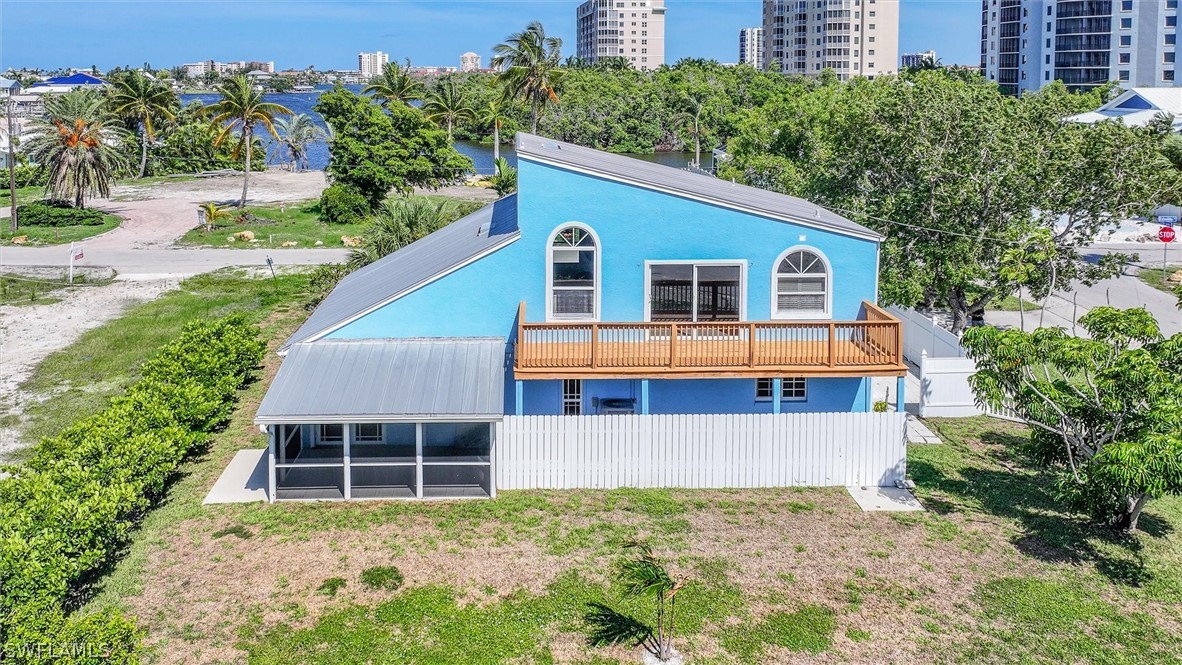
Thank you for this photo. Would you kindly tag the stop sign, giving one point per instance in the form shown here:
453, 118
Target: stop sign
1165, 234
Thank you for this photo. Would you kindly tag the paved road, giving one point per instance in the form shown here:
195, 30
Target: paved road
142, 247
1065, 307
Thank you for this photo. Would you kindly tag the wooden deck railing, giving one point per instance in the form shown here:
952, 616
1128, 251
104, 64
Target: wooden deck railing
869, 346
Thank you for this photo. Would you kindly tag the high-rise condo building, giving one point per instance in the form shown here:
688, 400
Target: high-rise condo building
751, 47
370, 65
908, 60
851, 37
629, 29
469, 62
1026, 44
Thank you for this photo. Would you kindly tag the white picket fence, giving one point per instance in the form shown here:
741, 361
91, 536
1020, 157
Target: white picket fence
701, 450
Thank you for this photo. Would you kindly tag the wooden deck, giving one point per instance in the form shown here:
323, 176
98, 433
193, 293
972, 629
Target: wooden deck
867, 347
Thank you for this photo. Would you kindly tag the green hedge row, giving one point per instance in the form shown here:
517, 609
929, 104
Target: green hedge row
50, 213
66, 512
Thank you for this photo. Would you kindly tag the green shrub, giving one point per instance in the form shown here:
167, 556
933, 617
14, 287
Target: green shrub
66, 513
341, 204
382, 577
881, 407
57, 214
331, 586
30, 176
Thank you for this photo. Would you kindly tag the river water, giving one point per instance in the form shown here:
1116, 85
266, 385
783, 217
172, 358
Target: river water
480, 153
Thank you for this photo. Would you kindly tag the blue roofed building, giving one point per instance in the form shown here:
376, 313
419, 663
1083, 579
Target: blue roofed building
614, 323
63, 84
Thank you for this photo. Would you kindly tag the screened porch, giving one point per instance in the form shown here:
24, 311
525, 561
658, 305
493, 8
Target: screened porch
433, 460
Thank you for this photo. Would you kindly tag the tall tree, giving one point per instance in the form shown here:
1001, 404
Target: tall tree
448, 105
139, 98
77, 142
395, 85
493, 115
241, 107
531, 68
1105, 411
955, 174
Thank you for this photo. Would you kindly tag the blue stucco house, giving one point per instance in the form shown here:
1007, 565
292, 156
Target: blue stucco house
607, 293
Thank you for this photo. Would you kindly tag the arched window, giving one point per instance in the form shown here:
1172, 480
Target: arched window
574, 274
801, 288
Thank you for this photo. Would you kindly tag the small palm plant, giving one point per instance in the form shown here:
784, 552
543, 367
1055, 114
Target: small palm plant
213, 213
641, 576
504, 181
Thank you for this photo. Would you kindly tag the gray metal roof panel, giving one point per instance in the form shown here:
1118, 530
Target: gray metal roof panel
684, 183
412, 266
347, 380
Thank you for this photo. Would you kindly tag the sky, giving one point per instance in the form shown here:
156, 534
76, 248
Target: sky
329, 34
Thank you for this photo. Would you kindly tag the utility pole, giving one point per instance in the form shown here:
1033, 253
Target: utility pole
12, 162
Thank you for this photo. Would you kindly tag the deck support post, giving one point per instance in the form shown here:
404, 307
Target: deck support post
644, 397
777, 392
900, 386
419, 460
271, 463
347, 436
519, 397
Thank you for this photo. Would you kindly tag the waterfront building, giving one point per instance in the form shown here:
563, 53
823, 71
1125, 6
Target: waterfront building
850, 37
1026, 44
751, 47
370, 65
909, 60
469, 62
633, 30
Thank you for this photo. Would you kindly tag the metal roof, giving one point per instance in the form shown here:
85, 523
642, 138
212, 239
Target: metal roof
689, 185
371, 380
412, 267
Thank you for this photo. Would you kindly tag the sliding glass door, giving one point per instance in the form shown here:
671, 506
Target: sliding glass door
695, 292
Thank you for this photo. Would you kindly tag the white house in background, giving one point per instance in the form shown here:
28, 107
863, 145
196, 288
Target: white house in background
8, 88
1137, 107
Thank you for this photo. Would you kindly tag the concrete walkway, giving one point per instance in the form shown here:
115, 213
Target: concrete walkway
243, 481
884, 499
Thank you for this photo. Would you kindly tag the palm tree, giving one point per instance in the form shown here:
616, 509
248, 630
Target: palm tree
448, 105
139, 98
395, 85
295, 133
692, 119
494, 115
241, 107
398, 224
531, 68
74, 142
647, 576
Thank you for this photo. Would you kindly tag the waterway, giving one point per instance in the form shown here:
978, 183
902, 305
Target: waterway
480, 153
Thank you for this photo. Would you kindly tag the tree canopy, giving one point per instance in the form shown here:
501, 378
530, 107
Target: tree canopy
1105, 410
375, 150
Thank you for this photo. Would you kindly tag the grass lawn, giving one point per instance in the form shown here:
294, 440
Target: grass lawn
299, 223
55, 235
1156, 277
19, 290
994, 572
23, 194
80, 378
1010, 304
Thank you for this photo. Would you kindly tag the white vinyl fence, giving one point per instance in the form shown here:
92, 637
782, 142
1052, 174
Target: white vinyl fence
701, 450
922, 335
944, 369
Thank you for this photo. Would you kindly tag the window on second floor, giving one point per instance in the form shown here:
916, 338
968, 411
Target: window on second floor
574, 274
801, 286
